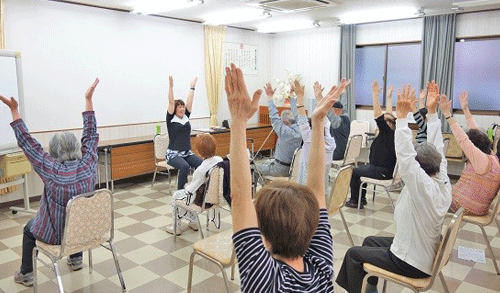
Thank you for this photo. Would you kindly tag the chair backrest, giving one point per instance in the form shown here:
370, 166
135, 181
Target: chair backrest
360, 127
160, 142
214, 186
294, 166
340, 190
446, 245
89, 217
495, 207
446, 142
353, 149
496, 139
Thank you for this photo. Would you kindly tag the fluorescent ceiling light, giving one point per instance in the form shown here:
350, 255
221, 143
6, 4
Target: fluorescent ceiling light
236, 15
476, 3
157, 6
374, 15
286, 25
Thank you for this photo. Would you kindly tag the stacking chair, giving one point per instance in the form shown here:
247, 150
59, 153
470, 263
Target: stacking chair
89, 223
446, 142
218, 249
338, 195
496, 139
389, 185
441, 259
351, 153
213, 188
482, 221
294, 169
161, 142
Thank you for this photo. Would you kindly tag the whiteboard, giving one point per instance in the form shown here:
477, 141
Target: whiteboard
11, 85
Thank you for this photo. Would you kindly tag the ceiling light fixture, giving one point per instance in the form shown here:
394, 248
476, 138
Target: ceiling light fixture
288, 25
475, 3
236, 16
374, 15
158, 6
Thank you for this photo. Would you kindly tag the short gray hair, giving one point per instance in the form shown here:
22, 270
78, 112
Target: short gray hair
287, 117
64, 146
428, 157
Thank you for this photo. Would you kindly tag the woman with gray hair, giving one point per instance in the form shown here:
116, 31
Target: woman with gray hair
67, 170
420, 210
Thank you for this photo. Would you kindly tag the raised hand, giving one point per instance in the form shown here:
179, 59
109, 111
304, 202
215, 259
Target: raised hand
269, 90
389, 91
325, 104
432, 96
11, 103
375, 88
241, 106
170, 81
445, 105
193, 82
91, 89
464, 100
298, 88
406, 101
318, 90
421, 98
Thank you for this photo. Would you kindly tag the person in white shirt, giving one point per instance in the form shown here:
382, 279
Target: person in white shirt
206, 147
420, 210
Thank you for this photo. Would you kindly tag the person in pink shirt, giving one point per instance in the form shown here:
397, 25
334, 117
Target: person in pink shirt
480, 180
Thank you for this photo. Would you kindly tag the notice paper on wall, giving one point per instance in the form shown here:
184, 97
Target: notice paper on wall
242, 55
467, 253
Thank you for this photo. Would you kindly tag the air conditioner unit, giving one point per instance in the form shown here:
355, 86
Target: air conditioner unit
289, 6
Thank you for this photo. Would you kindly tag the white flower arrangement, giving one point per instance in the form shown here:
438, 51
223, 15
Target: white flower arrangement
282, 93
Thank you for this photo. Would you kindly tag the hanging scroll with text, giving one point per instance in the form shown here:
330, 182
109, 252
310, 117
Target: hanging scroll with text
242, 55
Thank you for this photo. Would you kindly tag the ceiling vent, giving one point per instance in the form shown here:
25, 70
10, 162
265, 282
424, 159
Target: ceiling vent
288, 6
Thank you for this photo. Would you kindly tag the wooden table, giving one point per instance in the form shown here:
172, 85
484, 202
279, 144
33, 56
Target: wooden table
128, 157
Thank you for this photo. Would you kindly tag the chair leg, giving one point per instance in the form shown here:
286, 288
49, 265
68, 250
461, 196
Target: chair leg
190, 274
445, 287
359, 196
58, 276
176, 211
35, 280
90, 261
224, 276
346, 228
208, 218
154, 177
390, 197
374, 190
365, 281
384, 288
117, 265
233, 268
498, 223
199, 226
490, 249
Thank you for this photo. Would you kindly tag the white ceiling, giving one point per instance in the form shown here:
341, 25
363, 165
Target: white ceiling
327, 16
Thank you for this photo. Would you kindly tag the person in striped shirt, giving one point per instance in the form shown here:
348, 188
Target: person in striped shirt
283, 242
68, 169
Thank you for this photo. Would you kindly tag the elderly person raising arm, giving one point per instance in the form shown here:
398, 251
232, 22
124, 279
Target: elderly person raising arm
480, 180
419, 212
69, 169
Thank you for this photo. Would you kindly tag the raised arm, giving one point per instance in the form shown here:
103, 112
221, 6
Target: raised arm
316, 180
90, 138
388, 106
477, 158
189, 100
435, 136
464, 104
377, 111
171, 100
242, 108
299, 91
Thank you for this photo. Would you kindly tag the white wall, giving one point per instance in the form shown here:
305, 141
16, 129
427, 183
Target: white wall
478, 24
408, 30
313, 53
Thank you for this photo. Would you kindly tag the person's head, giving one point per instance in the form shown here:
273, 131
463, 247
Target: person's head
288, 215
423, 112
480, 140
64, 146
287, 117
180, 108
428, 157
390, 120
338, 108
205, 145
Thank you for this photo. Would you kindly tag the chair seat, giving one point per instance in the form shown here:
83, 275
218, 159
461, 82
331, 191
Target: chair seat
164, 164
55, 250
387, 182
417, 283
479, 220
219, 247
181, 203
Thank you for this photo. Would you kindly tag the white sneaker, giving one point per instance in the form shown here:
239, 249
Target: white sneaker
193, 226
181, 227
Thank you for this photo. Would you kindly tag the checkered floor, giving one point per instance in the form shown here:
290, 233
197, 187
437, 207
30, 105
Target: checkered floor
152, 262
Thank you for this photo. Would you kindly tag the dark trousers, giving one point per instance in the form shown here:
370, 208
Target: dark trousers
183, 164
29, 242
375, 251
370, 171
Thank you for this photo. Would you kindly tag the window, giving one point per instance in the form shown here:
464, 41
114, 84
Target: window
477, 70
399, 63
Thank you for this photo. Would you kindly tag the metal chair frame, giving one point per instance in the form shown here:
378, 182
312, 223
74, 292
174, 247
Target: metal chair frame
395, 185
332, 209
160, 159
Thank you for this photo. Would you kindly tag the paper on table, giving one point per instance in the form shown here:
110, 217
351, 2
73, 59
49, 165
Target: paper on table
473, 254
